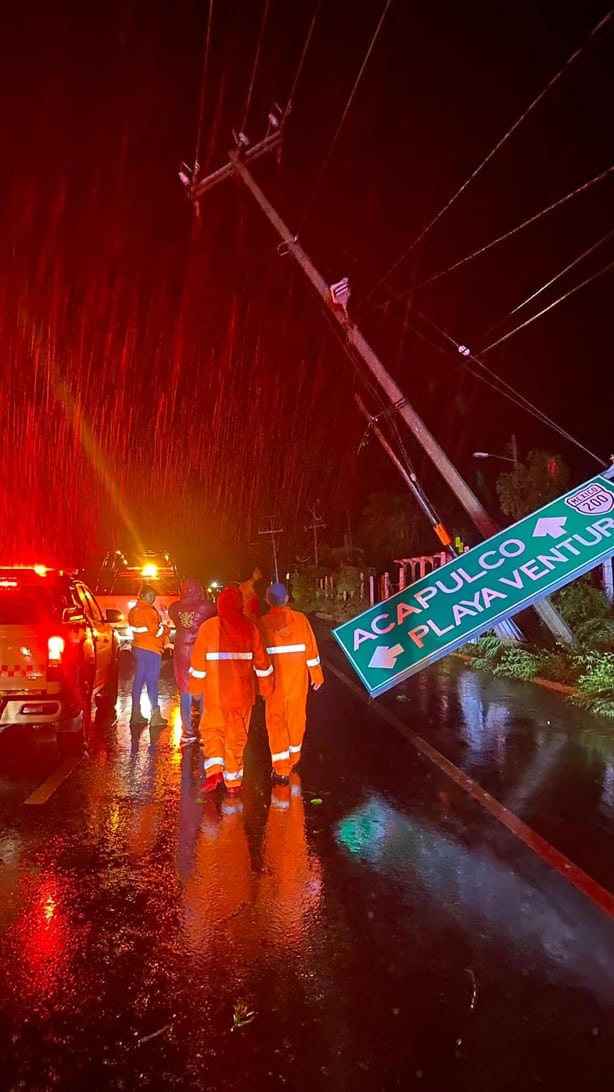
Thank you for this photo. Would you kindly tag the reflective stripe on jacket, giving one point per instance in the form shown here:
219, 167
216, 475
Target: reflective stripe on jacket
291, 644
147, 628
225, 666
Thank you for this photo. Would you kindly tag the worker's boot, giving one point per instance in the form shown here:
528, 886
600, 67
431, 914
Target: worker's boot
137, 720
157, 720
211, 783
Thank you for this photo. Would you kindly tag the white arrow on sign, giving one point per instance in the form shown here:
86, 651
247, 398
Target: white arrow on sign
385, 657
550, 525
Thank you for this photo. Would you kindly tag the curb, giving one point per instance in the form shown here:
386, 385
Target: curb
549, 684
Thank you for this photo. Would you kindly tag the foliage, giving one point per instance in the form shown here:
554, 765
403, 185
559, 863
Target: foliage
309, 597
344, 610
529, 486
580, 602
559, 665
596, 683
385, 528
472, 650
306, 594
597, 633
490, 650
348, 555
517, 663
347, 580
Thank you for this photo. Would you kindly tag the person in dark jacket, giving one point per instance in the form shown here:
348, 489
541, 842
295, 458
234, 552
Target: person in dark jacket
188, 615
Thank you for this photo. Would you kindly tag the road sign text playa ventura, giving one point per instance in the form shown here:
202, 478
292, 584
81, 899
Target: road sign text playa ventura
470, 594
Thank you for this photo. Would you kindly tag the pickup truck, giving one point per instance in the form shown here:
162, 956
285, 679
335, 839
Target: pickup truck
58, 651
122, 594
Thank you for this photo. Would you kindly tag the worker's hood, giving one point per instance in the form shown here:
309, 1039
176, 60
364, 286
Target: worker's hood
230, 602
192, 590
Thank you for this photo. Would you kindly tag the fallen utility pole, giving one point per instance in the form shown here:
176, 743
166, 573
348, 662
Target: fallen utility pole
410, 480
359, 344
507, 630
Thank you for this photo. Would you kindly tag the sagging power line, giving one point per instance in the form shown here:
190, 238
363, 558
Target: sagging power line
499, 238
493, 151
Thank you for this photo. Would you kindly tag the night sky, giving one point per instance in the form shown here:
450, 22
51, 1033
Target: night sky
171, 382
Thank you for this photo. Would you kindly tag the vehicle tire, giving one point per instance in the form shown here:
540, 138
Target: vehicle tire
74, 743
107, 699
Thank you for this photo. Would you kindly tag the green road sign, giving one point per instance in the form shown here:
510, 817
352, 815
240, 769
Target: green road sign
542, 552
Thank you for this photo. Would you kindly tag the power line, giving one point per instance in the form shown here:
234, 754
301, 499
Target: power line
501, 238
256, 59
503, 140
343, 116
491, 379
566, 295
202, 85
301, 62
548, 284
507, 390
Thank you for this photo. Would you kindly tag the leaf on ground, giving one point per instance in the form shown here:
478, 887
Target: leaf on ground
241, 1015
402, 697
316, 801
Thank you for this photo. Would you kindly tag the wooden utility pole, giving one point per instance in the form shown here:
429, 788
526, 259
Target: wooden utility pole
508, 630
356, 341
316, 523
273, 532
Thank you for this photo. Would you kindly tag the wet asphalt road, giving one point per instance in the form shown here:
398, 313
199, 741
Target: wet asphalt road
371, 927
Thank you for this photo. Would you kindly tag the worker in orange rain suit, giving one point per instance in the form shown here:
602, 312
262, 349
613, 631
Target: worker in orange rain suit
251, 602
148, 638
228, 656
291, 644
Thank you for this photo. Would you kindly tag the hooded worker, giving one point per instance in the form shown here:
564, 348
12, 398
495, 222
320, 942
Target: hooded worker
291, 644
188, 615
251, 602
148, 639
227, 661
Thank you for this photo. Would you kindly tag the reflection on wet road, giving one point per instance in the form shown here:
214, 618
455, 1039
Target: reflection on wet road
367, 927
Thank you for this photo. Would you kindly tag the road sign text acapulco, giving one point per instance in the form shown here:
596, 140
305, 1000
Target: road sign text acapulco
472, 593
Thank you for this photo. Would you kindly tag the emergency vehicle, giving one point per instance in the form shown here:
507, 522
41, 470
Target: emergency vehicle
119, 582
57, 652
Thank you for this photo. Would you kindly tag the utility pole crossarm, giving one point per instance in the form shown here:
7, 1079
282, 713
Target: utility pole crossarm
269, 144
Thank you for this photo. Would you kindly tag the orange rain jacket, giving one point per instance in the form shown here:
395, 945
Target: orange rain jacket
229, 657
147, 627
291, 644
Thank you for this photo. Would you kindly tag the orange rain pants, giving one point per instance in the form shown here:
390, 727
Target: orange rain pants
224, 734
290, 642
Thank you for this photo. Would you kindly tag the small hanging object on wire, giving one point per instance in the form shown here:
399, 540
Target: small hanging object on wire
190, 177
275, 119
275, 123
340, 294
241, 140
463, 350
